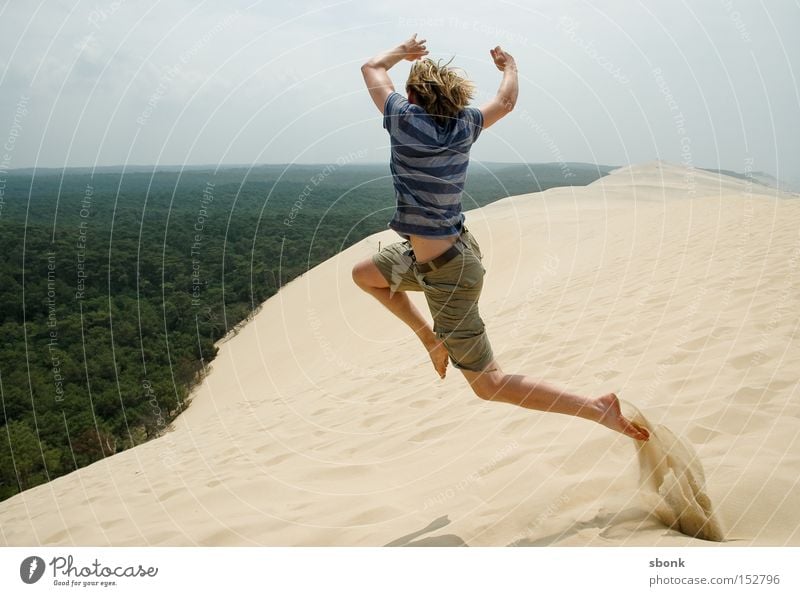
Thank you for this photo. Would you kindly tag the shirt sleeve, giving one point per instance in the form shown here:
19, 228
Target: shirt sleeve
474, 118
393, 110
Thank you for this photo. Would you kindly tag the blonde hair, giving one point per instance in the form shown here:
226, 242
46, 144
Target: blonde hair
439, 89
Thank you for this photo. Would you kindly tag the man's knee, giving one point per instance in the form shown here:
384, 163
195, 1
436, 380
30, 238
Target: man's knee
484, 390
360, 274
486, 384
357, 273
367, 275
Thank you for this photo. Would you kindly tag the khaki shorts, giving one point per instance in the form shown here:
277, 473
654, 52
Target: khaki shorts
452, 292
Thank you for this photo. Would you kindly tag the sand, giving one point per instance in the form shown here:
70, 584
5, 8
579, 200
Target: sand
322, 421
673, 485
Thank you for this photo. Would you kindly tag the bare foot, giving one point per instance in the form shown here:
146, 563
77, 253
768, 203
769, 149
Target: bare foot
611, 416
438, 354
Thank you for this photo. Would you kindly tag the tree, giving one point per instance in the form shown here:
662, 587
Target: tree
21, 455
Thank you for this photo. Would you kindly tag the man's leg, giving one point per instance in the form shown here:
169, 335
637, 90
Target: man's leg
524, 391
369, 278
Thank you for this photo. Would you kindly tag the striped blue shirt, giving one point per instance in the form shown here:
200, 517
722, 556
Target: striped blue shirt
429, 166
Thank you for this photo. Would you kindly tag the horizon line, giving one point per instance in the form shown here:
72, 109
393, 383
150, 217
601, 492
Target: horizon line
241, 165
120, 168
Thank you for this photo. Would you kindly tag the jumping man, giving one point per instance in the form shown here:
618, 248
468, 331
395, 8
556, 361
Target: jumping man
432, 131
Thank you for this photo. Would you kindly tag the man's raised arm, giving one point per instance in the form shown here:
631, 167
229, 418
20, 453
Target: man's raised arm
506, 97
375, 69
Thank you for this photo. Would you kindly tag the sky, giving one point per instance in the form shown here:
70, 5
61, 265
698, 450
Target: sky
107, 82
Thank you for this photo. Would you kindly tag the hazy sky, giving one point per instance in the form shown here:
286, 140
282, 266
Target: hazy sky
707, 83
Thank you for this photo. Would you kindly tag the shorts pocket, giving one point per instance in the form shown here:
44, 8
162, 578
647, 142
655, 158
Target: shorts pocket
472, 245
464, 272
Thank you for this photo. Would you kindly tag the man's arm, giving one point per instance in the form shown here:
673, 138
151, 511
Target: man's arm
375, 70
506, 97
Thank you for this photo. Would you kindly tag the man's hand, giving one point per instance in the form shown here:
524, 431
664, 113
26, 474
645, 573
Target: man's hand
502, 59
414, 48
374, 70
506, 98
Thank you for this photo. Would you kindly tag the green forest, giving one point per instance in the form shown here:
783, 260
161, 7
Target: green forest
114, 287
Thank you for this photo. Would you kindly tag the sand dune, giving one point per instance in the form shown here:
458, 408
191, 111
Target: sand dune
323, 423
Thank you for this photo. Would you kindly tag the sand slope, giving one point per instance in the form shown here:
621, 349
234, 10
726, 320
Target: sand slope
322, 422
